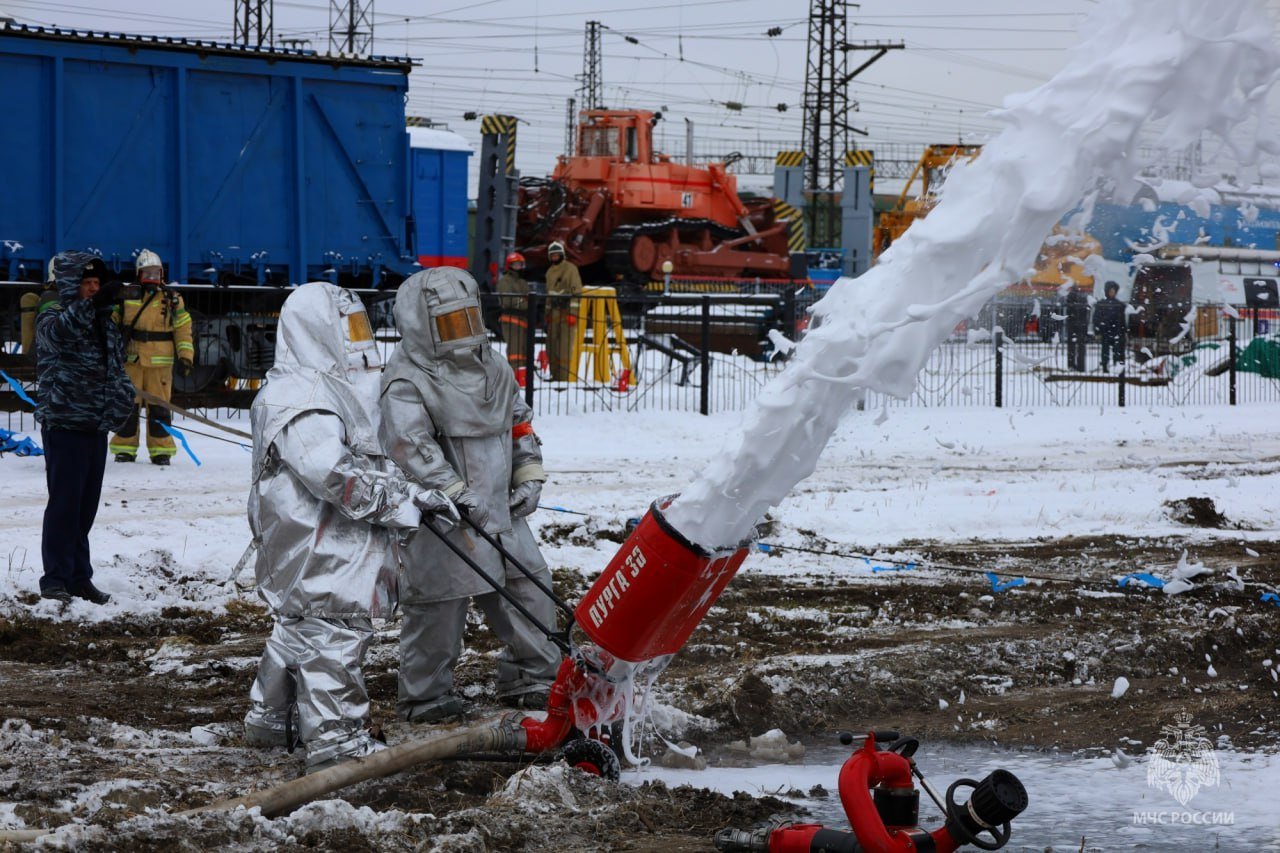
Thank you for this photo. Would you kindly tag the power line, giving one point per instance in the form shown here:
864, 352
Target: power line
253, 23
351, 27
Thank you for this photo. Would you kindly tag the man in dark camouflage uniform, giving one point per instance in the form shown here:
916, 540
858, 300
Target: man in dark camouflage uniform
84, 394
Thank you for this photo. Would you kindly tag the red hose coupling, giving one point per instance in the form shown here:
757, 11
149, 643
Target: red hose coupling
550, 733
869, 768
796, 838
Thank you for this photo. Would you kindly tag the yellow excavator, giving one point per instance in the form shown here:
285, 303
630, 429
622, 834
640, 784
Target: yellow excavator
930, 172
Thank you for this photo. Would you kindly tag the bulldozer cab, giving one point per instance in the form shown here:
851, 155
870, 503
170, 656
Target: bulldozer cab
618, 135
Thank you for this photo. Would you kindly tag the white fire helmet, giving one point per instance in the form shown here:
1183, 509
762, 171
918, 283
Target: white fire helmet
149, 267
555, 248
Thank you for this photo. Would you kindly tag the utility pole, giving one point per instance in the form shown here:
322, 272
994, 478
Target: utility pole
570, 127
351, 27
826, 129
253, 24
592, 84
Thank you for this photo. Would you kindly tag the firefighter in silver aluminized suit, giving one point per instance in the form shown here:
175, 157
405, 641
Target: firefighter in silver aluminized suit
324, 508
453, 420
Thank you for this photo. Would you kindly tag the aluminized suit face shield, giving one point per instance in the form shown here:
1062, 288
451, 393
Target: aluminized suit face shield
325, 328
438, 314
457, 325
362, 354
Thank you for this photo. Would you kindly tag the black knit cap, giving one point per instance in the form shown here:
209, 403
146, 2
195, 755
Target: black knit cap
95, 269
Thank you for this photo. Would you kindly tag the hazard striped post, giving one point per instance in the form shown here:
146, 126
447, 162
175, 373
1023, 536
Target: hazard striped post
788, 202
495, 233
857, 215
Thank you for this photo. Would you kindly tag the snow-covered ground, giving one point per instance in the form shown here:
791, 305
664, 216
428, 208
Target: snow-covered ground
171, 537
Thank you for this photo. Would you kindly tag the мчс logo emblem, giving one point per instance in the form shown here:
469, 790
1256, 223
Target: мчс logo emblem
1183, 761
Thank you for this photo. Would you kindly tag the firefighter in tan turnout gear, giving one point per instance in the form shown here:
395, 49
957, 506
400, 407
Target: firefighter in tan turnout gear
157, 336
513, 293
564, 286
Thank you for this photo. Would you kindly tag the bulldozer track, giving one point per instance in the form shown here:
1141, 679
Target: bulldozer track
618, 250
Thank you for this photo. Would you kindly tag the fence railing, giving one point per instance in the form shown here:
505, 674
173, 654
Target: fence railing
707, 353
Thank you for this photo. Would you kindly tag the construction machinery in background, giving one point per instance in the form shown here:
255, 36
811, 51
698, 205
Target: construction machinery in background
1029, 308
1034, 307
930, 172
623, 210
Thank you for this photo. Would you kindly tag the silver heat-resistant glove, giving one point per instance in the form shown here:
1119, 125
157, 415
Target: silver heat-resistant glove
437, 508
524, 498
472, 507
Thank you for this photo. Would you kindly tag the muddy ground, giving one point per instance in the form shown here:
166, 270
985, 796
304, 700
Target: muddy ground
112, 726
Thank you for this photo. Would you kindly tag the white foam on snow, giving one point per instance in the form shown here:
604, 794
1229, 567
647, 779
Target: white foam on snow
1185, 65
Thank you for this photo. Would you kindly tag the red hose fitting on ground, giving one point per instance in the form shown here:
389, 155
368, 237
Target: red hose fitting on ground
544, 735
870, 768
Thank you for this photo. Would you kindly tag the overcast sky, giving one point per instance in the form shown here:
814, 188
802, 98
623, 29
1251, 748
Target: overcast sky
689, 59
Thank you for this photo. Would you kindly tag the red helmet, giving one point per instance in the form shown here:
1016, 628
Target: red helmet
515, 258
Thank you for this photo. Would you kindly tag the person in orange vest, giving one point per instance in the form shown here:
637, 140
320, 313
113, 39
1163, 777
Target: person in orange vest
157, 330
564, 285
513, 294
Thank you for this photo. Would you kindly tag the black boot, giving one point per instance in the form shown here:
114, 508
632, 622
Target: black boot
56, 593
159, 460
89, 592
124, 457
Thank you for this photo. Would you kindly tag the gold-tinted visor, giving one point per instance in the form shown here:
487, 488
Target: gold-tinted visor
456, 325
358, 327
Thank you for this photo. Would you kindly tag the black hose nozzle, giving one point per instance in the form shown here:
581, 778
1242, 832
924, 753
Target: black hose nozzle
998, 799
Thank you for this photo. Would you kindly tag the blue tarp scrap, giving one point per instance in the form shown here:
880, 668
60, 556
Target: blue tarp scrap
998, 585
1146, 578
11, 442
1272, 597
17, 389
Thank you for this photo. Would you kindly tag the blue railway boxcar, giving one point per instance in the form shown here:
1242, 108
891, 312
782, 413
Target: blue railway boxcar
238, 165
438, 184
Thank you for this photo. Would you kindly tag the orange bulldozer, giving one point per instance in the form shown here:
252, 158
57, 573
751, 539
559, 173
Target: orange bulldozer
622, 210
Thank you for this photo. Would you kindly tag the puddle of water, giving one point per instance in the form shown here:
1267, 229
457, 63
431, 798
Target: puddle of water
1071, 799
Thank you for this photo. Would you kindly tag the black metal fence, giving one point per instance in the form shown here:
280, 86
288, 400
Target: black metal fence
706, 353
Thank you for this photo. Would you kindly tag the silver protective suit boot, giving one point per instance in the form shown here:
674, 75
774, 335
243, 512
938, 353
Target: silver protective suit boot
264, 729
315, 665
326, 755
272, 695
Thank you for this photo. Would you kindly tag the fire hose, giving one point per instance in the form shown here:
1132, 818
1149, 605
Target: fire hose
504, 735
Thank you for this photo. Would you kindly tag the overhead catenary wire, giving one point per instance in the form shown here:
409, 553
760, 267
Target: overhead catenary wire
672, 61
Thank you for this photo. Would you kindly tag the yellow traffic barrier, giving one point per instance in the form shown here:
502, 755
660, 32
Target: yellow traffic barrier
597, 310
